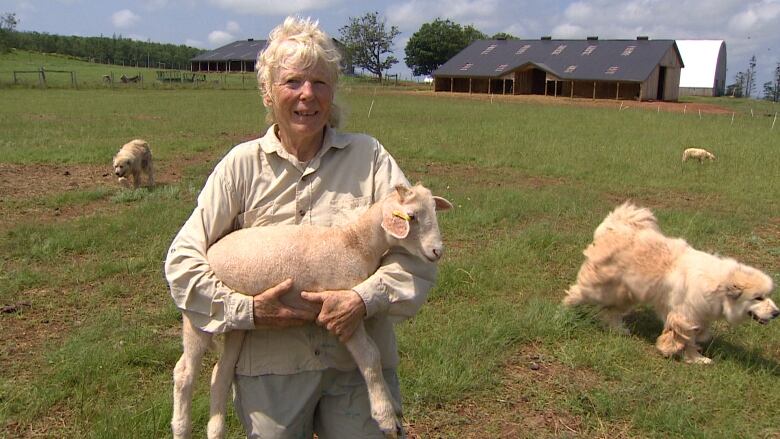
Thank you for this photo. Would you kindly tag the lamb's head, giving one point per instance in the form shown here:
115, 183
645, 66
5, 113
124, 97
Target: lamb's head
409, 218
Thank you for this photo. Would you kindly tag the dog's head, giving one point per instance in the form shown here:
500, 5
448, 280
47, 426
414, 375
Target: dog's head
746, 295
122, 163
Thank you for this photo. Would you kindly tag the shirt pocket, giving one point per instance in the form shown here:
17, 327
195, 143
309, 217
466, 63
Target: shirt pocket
344, 210
259, 216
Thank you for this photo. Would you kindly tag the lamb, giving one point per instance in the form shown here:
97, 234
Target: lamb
247, 260
699, 154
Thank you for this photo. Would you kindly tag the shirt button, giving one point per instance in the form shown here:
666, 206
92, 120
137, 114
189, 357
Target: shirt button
316, 352
302, 212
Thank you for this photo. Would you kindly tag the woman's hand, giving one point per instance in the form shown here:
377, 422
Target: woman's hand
270, 312
342, 311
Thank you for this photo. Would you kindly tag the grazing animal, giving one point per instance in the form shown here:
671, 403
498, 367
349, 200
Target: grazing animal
631, 262
699, 154
133, 159
254, 259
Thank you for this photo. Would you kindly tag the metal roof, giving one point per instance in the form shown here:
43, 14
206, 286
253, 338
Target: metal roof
701, 59
592, 59
244, 50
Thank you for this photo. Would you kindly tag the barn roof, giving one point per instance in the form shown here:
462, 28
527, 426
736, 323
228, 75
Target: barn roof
701, 62
243, 50
592, 59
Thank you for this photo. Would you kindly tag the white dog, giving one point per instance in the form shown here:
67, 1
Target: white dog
631, 262
134, 158
699, 154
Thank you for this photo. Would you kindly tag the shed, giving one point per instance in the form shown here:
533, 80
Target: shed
704, 73
640, 69
240, 56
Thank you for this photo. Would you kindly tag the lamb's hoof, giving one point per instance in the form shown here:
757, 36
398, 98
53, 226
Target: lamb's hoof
395, 433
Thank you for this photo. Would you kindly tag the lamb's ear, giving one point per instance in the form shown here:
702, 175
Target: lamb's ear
396, 226
403, 192
442, 204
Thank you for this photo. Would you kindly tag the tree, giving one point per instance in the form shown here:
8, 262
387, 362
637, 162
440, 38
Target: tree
772, 88
750, 78
435, 43
367, 41
503, 36
8, 22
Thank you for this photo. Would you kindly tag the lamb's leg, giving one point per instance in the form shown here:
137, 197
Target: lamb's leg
383, 408
195, 343
221, 379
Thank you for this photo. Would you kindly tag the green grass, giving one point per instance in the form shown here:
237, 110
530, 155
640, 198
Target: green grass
530, 183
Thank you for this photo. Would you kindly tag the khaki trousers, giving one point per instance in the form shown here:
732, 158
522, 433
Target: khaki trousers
332, 403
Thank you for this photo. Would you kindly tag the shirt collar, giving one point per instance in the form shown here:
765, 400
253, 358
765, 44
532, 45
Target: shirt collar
333, 139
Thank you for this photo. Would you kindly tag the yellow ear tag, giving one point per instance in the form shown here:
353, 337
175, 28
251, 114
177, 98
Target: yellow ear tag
402, 215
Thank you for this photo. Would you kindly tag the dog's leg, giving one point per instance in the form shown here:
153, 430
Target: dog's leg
383, 408
195, 343
150, 174
136, 179
704, 336
693, 356
221, 379
612, 317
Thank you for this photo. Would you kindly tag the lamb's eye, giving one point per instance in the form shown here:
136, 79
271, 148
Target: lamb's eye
759, 298
412, 216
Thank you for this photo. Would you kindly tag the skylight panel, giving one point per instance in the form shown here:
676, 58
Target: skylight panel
559, 50
467, 66
588, 50
628, 50
570, 69
502, 67
522, 50
612, 70
489, 49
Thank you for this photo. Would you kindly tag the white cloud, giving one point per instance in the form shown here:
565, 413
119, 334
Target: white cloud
220, 38
276, 7
124, 18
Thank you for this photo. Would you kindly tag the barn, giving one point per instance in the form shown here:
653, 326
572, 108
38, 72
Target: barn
640, 69
240, 56
704, 73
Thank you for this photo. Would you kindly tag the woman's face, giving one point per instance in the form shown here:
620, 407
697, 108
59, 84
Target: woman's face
301, 100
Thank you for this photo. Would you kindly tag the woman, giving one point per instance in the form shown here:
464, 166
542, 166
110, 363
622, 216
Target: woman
293, 377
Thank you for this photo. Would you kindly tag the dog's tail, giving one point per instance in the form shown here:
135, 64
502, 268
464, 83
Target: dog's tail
627, 217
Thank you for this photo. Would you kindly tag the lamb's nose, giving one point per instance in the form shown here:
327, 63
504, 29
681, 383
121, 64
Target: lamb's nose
438, 252
775, 313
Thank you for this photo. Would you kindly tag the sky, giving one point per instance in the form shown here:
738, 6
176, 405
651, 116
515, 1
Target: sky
749, 27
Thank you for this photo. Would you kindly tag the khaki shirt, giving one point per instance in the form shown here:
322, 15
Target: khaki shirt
258, 183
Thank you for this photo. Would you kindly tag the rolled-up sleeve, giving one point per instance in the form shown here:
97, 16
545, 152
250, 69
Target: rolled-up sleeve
401, 284
208, 302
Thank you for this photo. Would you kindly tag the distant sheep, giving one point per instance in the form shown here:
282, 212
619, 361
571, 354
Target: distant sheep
247, 260
133, 159
699, 154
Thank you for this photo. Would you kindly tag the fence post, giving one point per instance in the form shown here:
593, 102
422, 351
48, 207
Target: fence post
42, 77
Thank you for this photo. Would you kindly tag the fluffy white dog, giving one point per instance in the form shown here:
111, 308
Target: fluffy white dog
134, 158
699, 154
631, 262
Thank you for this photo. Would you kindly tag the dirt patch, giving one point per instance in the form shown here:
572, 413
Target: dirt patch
481, 176
675, 107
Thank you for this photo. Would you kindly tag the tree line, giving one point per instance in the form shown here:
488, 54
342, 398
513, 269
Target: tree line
107, 50
745, 83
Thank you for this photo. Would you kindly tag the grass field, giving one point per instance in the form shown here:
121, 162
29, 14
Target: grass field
90, 335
